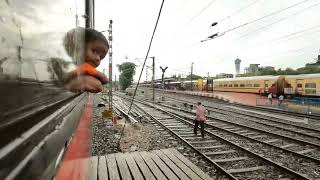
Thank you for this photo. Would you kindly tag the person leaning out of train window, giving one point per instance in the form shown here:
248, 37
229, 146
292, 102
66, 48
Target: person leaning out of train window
85, 77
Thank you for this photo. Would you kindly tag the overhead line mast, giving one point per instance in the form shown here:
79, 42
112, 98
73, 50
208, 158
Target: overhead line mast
110, 37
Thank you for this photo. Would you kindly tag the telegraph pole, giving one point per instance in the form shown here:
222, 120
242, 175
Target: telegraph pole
153, 74
191, 75
110, 64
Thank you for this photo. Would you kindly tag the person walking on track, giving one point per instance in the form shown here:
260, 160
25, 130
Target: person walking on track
201, 117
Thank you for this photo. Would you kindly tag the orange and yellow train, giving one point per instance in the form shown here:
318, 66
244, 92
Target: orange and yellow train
305, 84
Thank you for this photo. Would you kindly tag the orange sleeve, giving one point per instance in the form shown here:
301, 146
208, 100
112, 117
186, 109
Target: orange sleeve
87, 69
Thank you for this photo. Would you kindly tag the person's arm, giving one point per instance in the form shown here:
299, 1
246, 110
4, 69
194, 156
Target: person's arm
102, 77
84, 83
86, 69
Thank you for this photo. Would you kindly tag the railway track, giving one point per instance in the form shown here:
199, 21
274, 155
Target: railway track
222, 148
268, 110
303, 130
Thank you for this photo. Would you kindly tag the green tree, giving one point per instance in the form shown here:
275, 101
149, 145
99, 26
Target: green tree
266, 71
127, 71
194, 77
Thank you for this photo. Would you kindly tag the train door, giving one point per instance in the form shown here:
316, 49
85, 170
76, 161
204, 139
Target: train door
266, 86
299, 86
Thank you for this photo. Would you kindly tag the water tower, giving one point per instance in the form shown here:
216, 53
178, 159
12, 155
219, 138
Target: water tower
237, 63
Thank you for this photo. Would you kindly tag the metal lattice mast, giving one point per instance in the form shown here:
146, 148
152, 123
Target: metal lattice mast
110, 64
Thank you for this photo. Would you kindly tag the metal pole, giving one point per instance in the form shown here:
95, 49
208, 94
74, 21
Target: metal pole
115, 82
147, 67
208, 82
153, 74
110, 64
191, 76
163, 71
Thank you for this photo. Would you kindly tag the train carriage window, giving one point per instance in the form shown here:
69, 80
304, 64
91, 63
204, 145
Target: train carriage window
256, 85
225, 85
220, 85
310, 85
241, 85
299, 85
310, 91
230, 85
248, 85
236, 85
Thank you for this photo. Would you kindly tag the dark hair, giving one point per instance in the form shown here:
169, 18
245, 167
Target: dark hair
199, 103
94, 35
76, 39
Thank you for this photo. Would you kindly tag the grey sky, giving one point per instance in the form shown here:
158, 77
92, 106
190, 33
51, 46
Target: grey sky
182, 27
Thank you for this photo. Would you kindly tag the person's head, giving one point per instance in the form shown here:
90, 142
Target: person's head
85, 44
199, 103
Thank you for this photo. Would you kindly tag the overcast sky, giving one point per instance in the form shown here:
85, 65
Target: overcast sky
286, 39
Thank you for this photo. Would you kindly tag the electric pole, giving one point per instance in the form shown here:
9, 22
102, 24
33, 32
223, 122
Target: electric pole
115, 82
153, 74
163, 71
208, 82
110, 65
191, 75
147, 73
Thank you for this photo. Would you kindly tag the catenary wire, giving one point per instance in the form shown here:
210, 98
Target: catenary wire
135, 91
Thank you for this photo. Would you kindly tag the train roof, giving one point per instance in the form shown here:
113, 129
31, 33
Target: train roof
301, 76
174, 82
251, 78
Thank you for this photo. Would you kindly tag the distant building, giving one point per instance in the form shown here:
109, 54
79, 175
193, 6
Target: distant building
253, 68
237, 64
224, 75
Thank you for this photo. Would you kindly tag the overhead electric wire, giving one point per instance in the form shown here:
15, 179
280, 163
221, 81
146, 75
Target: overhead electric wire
203, 9
135, 91
258, 19
238, 11
291, 34
282, 19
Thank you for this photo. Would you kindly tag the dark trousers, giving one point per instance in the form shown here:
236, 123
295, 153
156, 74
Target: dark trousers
196, 124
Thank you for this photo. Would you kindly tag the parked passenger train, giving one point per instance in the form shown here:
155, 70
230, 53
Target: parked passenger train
304, 84
294, 85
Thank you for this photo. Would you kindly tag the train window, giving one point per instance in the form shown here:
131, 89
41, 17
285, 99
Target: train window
225, 85
299, 85
249, 85
230, 85
311, 91
220, 85
241, 85
310, 85
256, 85
236, 85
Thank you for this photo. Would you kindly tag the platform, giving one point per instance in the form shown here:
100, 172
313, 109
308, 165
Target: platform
158, 164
